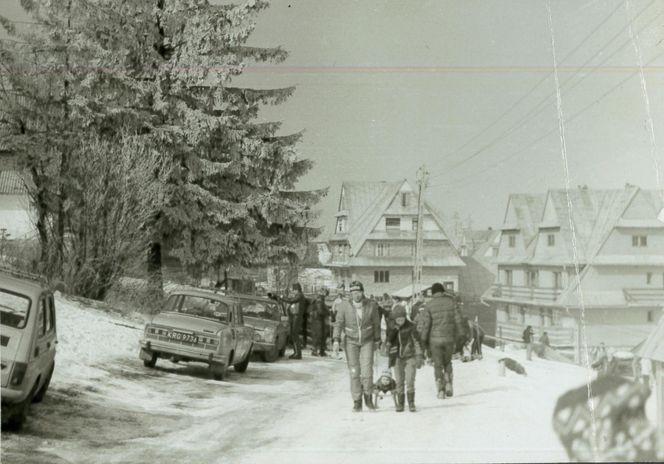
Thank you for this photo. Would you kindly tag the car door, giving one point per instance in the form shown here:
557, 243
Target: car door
42, 341
245, 334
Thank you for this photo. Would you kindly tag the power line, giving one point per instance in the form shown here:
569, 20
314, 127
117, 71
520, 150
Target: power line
541, 105
567, 120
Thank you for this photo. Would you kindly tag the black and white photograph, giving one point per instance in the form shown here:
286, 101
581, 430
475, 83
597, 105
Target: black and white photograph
331, 231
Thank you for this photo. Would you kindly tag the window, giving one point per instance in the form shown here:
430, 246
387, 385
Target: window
639, 240
508, 277
42, 317
392, 223
494, 251
414, 225
650, 317
649, 278
551, 240
511, 241
404, 199
557, 280
382, 249
381, 276
204, 307
512, 313
522, 314
413, 247
533, 279
449, 286
341, 224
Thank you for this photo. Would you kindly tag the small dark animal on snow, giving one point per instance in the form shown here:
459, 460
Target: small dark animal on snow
512, 365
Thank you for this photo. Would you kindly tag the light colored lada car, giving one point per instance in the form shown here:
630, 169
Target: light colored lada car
28, 338
201, 326
269, 320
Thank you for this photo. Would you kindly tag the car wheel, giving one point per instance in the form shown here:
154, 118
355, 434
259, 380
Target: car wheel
20, 413
151, 362
42, 391
218, 370
282, 351
271, 355
241, 367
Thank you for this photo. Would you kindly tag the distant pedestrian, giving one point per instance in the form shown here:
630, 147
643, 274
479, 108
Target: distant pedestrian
298, 307
318, 315
405, 355
477, 333
543, 344
528, 335
359, 319
441, 337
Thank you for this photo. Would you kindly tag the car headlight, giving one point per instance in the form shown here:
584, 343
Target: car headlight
268, 335
258, 337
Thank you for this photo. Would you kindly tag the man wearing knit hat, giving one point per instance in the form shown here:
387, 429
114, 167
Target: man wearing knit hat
359, 319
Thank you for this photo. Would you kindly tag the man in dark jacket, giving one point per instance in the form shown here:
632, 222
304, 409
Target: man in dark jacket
359, 319
318, 314
298, 307
528, 335
441, 337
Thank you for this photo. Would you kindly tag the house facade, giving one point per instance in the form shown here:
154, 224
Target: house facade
16, 213
374, 239
587, 266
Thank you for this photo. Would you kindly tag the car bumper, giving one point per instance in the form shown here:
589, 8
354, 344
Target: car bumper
11, 396
167, 350
259, 347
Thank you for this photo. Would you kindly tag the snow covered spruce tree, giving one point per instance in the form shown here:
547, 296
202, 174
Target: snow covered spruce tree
163, 72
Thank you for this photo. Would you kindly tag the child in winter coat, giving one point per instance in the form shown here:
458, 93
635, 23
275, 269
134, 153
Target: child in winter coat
405, 355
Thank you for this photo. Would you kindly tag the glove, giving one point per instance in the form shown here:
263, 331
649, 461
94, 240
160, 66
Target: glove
335, 347
420, 362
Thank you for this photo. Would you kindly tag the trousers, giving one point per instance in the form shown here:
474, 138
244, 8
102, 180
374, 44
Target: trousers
360, 366
441, 353
404, 373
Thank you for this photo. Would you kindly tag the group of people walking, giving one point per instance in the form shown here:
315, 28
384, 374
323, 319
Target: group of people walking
431, 333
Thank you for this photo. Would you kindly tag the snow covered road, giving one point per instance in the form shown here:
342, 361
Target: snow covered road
105, 406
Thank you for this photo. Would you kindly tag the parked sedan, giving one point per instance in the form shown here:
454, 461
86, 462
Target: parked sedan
269, 320
202, 326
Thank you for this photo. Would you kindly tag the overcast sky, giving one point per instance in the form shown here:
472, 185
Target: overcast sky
384, 86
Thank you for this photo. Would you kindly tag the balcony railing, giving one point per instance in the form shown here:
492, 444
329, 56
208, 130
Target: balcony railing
525, 293
559, 337
644, 295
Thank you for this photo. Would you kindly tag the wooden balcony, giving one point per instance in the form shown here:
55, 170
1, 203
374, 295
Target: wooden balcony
534, 294
653, 296
559, 337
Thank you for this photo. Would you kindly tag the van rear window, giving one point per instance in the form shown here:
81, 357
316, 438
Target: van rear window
13, 309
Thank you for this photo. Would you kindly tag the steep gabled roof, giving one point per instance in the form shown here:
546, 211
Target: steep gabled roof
528, 209
12, 183
365, 221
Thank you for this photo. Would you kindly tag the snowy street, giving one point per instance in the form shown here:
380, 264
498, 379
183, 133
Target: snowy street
105, 406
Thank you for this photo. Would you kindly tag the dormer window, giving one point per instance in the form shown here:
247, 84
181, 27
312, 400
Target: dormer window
511, 241
393, 223
404, 199
639, 240
341, 225
551, 240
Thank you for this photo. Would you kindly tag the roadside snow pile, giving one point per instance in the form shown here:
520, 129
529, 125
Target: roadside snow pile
89, 337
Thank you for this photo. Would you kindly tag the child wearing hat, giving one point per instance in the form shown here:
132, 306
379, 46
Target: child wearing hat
405, 355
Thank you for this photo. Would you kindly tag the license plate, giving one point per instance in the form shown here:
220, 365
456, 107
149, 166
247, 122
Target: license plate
183, 337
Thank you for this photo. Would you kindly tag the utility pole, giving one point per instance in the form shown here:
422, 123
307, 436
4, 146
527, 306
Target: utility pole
422, 177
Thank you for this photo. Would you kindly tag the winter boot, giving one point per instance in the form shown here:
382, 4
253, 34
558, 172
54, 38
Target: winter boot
448, 385
368, 401
411, 402
357, 405
314, 353
401, 398
440, 386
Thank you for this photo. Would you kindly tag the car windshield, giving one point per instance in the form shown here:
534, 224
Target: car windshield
204, 307
259, 310
13, 309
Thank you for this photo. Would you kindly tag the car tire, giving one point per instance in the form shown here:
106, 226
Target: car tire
242, 366
271, 355
42, 391
218, 371
151, 362
20, 414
